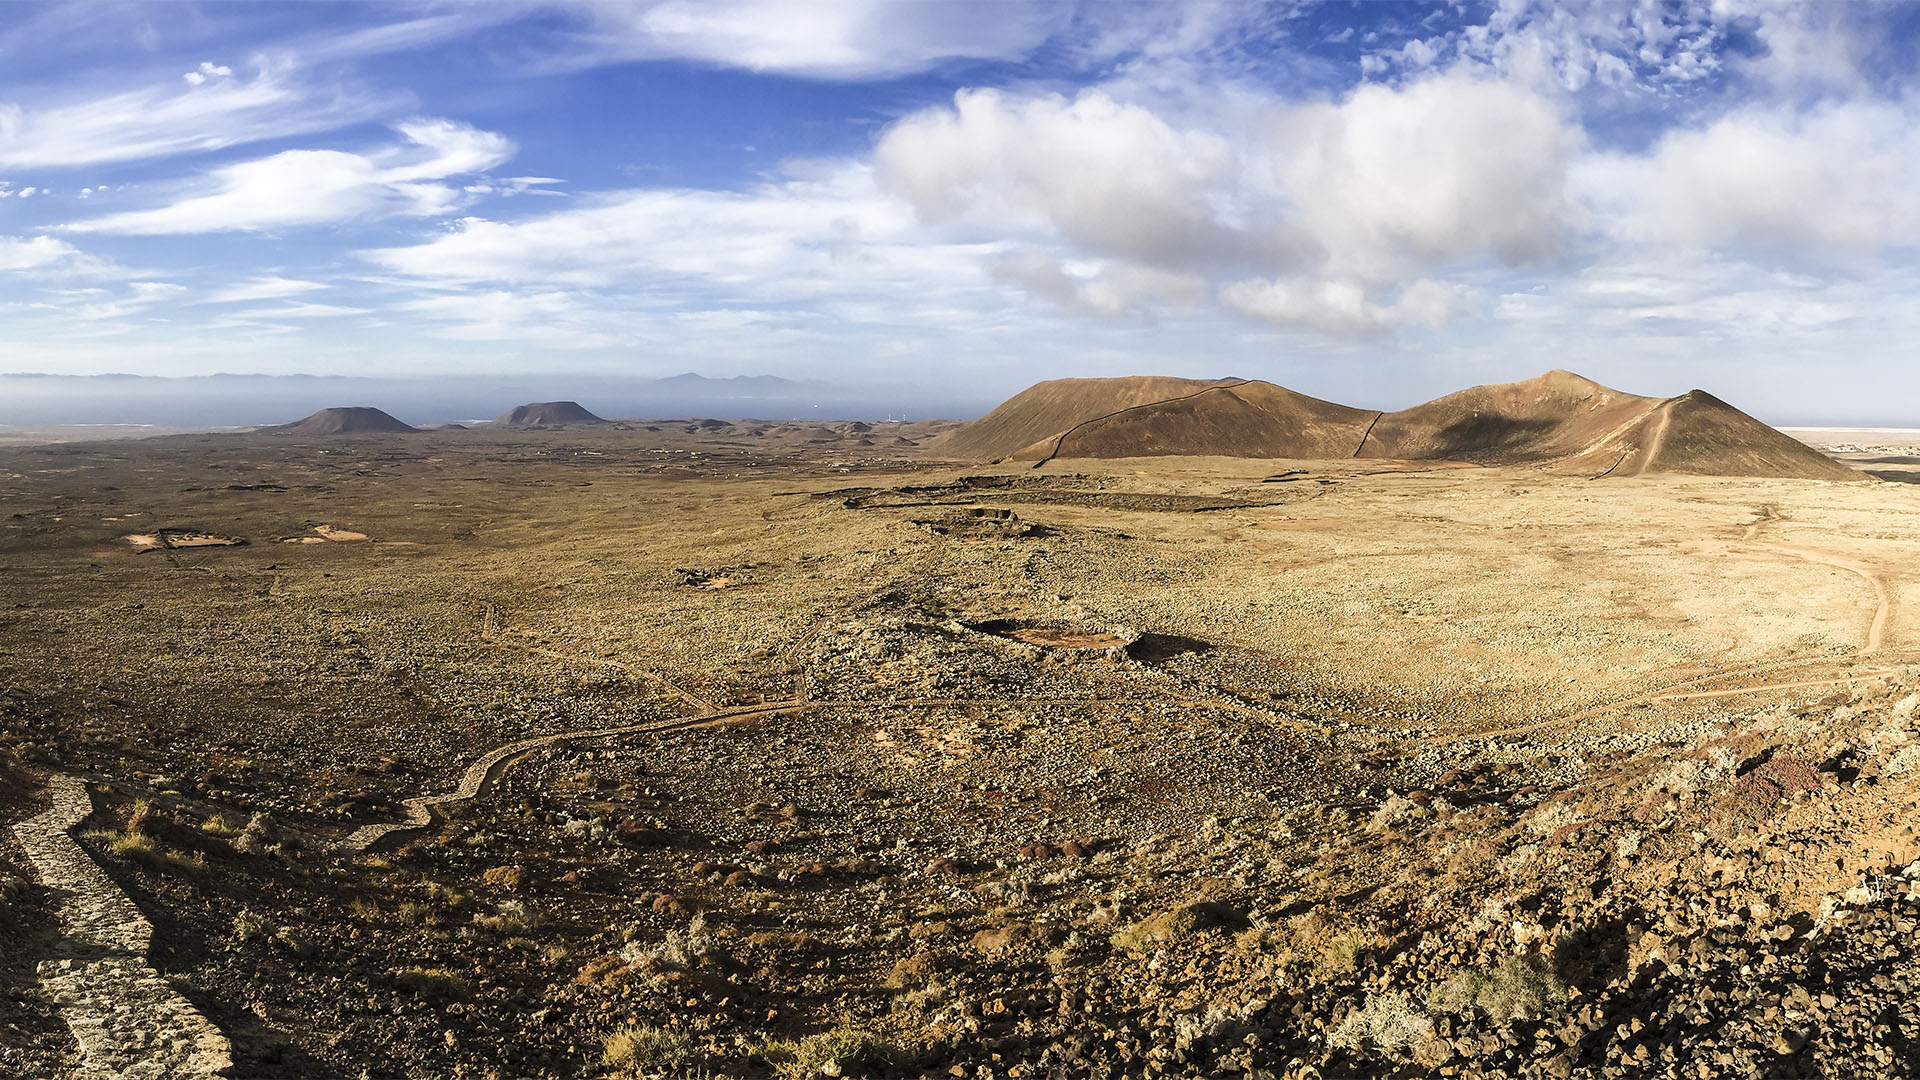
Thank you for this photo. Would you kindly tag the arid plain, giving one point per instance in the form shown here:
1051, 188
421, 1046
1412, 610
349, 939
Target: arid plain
826, 756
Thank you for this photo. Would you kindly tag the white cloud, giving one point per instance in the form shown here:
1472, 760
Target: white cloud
1373, 192
169, 119
1394, 181
207, 70
298, 311
516, 185
34, 253
820, 39
800, 236
1347, 308
153, 291
1112, 178
555, 318
1332, 217
268, 287
1096, 287
1576, 47
99, 308
1815, 47
310, 187
1834, 181
826, 247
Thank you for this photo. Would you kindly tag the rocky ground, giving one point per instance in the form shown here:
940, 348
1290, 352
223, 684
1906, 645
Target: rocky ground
1072, 774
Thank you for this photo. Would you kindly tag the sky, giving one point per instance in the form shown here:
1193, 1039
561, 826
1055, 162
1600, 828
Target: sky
1373, 202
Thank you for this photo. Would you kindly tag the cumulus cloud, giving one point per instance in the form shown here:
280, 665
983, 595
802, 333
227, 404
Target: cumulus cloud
1111, 178
1833, 181
1099, 288
34, 253
311, 187
1098, 206
1347, 308
1444, 169
207, 70
1817, 47
1371, 192
821, 39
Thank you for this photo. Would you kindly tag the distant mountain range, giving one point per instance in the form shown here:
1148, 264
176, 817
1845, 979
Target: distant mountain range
258, 400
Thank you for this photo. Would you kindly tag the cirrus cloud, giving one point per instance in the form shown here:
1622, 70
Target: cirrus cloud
167, 119
313, 187
821, 39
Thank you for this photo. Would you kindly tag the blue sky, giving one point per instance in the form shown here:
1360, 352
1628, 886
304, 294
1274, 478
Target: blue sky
1375, 202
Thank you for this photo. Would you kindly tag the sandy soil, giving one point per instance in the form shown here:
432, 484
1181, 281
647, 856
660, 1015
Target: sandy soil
1113, 661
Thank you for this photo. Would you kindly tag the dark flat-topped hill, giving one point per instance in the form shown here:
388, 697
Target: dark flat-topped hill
547, 414
345, 420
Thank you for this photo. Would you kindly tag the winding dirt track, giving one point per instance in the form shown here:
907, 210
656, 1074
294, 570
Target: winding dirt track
486, 770
1885, 601
1886, 605
1846, 680
1662, 694
1883, 593
1658, 441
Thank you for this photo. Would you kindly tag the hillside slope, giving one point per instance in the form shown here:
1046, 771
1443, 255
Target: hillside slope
1048, 409
1573, 424
1250, 419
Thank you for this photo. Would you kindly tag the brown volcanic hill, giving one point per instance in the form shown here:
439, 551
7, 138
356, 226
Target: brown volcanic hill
1248, 419
348, 420
1551, 416
1699, 433
547, 414
1571, 423
1558, 421
1048, 409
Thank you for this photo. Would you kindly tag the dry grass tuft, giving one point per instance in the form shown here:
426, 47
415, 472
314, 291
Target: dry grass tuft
433, 981
638, 1046
1519, 988
843, 1051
